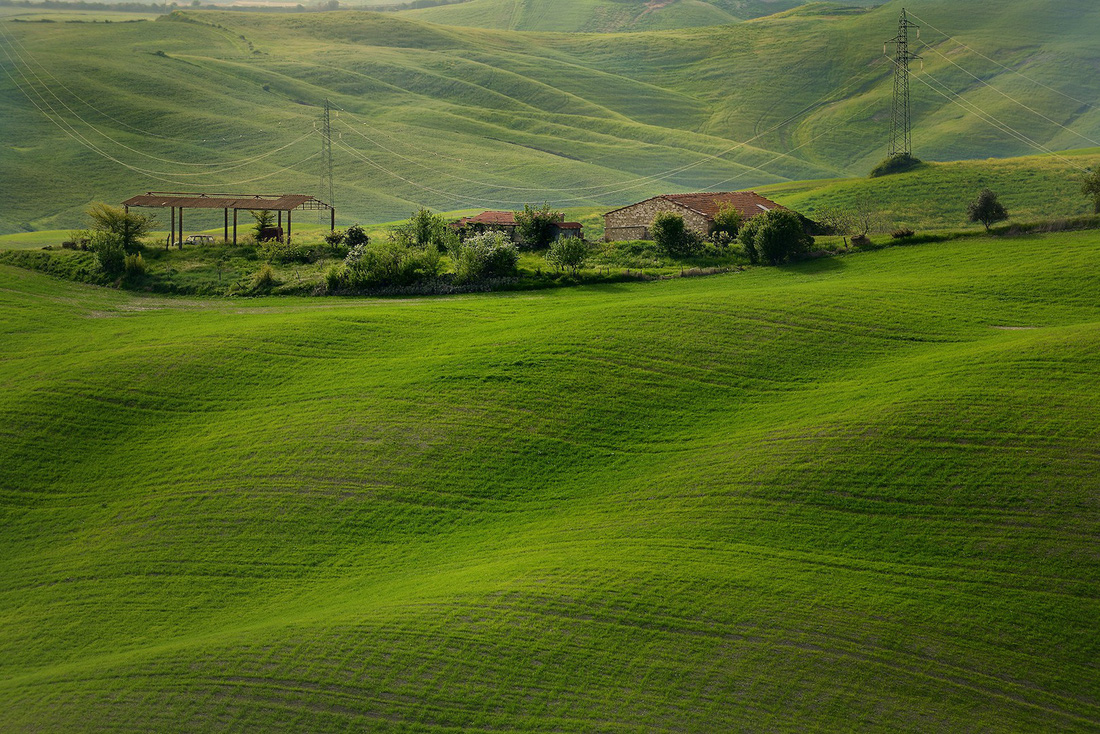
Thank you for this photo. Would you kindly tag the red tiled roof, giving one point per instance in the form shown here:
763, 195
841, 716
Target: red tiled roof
503, 218
570, 225
749, 203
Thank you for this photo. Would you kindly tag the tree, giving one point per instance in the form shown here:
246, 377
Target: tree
727, 221
1091, 187
986, 209
858, 219
355, 236
127, 227
775, 236
535, 227
672, 235
265, 220
424, 229
568, 252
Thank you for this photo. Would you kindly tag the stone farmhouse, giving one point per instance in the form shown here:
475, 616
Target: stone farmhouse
506, 222
698, 210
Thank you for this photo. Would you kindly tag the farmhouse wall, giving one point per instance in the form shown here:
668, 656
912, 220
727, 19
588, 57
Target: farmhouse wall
632, 222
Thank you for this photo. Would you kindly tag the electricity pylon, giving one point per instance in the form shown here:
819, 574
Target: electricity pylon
901, 133
327, 190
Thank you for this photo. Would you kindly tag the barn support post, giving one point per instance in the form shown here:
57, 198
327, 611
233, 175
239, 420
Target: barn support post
234, 226
288, 227
179, 244
171, 232
226, 235
280, 219
332, 219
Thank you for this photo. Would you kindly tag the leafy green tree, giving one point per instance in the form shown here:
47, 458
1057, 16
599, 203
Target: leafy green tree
425, 228
568, 252
672, 235
355, 236
1091, 188
727, 221
775, 236
128, 227
535, 227
986, 209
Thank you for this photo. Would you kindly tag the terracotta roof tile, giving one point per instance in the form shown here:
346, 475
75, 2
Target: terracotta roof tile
749, 203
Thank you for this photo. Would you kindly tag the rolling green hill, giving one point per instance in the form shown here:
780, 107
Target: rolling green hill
936, 195
454, 117
855, 493
604, 16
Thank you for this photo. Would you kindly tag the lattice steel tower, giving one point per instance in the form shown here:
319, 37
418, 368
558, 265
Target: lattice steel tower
901, 134
327, 190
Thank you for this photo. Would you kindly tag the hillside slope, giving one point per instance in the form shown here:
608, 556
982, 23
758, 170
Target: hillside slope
853, 493
461, 117
604, 16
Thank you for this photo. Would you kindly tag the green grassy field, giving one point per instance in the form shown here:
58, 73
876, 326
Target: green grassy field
854, 493
453, 118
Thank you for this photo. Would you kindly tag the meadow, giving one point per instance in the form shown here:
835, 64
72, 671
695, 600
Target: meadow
462, 117
851, 493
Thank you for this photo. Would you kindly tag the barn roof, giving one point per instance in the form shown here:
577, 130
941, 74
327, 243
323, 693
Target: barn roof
271, 202
749, 203
505, 218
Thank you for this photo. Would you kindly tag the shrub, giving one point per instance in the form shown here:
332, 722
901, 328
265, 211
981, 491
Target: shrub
109, 251
902, 233
335, 238
276, 251
986, 209
263, 280
134, 265
334, 278
895, 164
535, 227
747, 237
483, 256
386, 264
355, 236
775, 236
568, 252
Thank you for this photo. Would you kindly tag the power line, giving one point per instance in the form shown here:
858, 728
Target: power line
88, 104
1008, 96
998, 63
602, 189
957, 99
54, 117
228, 166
